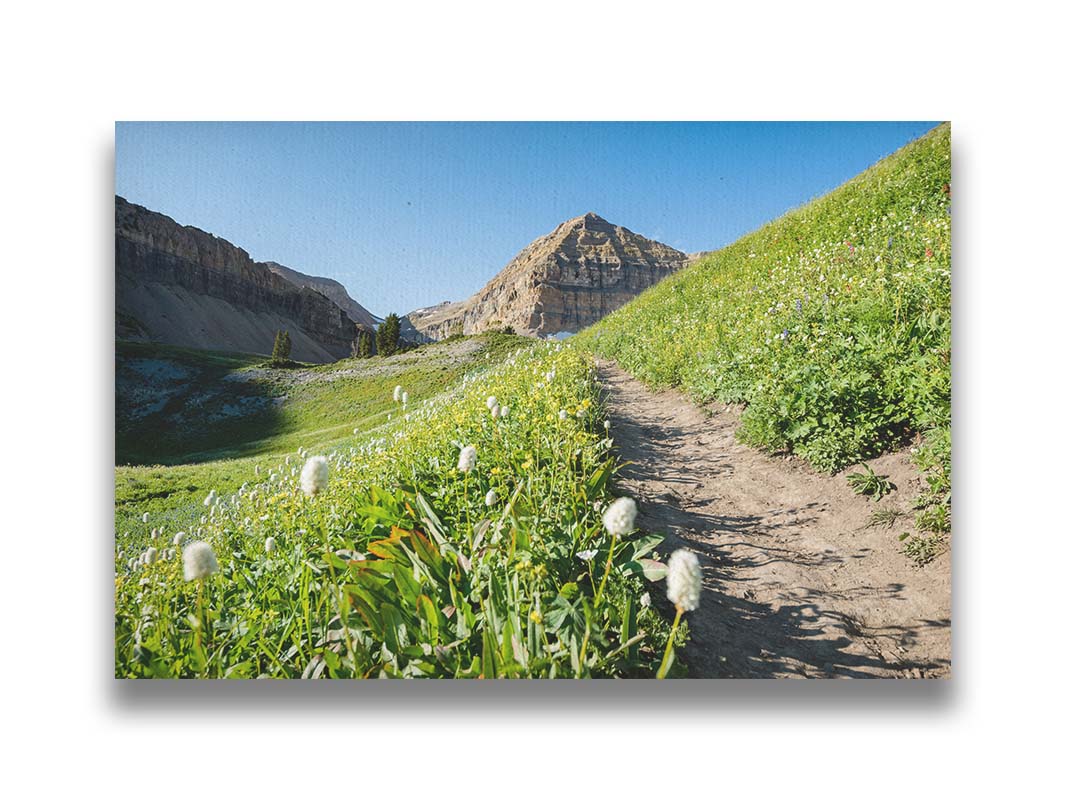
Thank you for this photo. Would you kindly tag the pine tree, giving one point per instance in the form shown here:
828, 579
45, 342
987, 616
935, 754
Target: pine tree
361, 345
276, 352
287, 346
389, 335
366, 344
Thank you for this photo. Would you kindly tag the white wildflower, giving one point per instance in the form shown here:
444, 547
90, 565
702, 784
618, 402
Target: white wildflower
269, 544
211, 497
397, 394
563, 413
504, 411
607, 424
490, 402
199, 561
585, 555
150, 555
179, 537
315, 475
404, 398
646, 600
144, 517
468, 457
620, 516
491, 498
495, 412
684, 580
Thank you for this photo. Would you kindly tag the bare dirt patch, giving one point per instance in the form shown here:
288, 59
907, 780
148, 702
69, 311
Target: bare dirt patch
795, 584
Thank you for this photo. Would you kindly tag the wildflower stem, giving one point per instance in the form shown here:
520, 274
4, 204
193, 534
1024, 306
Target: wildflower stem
607, 570
342, 613
664, 667
200, 628
585, 645
467, 508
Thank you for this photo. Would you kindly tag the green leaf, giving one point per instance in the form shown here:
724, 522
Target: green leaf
427, 612
653, 570
650, 570
430, 519
489, 654
645, 544
406, 583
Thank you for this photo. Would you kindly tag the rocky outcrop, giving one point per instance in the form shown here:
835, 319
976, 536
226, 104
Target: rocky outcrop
582, 271
329, 287
180, 285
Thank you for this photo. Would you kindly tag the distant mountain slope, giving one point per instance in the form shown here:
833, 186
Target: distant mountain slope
329, 287
179, 285
562, 282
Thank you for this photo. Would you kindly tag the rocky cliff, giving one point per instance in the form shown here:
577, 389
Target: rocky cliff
585, 269
180, 285
329, 287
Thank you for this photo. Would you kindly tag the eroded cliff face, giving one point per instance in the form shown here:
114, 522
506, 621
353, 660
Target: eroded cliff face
180, 285
329, 287
582, 271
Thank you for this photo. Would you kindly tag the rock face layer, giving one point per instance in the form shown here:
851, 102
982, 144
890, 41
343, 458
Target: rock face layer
329, 287
582, 271
180, 285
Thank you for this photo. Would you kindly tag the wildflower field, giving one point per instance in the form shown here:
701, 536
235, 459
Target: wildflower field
471, 533
448, 512
832, 325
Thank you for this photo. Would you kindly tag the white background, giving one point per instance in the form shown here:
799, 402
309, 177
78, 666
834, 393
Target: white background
70, 70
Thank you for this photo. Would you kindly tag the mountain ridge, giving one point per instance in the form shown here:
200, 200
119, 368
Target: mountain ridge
332, 289
178, 284
584, 269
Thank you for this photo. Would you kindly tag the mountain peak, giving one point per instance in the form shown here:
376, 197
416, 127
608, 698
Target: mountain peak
570, 278
589, 221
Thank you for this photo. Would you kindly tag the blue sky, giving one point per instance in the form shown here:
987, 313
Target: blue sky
408, 214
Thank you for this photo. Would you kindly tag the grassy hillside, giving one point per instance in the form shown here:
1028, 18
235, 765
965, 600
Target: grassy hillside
192, 420
180, 406
403, 565
832, 324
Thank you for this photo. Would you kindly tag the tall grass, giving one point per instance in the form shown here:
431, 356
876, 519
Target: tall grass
401, 568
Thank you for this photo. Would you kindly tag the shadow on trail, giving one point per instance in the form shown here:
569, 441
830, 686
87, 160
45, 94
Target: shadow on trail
733, 634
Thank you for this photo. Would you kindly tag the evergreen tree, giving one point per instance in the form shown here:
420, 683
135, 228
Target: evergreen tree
287, 346
362, 345
389, 335
276, 352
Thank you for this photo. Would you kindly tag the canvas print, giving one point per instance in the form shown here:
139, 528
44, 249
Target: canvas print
656, 400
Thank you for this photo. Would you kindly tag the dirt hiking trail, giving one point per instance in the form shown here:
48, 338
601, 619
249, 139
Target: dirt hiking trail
794, 584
